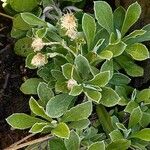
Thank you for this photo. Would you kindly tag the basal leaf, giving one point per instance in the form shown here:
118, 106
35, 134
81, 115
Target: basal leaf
108, 66
97, 146
23, 47
135, 117
56, 144
101, 79
109, 97
131, 106
143, 134
93, 95
138, 51
23, 5
38, 127
120, 79
82, 65
67, 70
81, 124
76, 90
58, 105
89, 29
33, 20
117, 48
44, 93
61, 130
79, 112
37, 109
104, 15
73, 142
22, 121
119, 144
116, 135
119, 15
30, 86
144, 96
132, 15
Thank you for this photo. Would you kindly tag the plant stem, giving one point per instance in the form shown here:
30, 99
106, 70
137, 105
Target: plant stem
104, 119
22, 140
6, 16
47, 137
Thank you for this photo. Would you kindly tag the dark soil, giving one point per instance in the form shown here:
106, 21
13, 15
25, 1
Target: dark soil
12, 72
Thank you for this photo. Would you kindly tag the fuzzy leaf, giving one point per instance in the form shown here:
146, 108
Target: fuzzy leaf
117, 49
37, 109
116, 135
93, 95
23, 5
101, 79
104, 15
56, 144
119, 15
67, 70
143, 134
144, 96
61, 131
106, 55
138, 51
76, 90
130, 106
58, 105
129, 66
38, 127
44, 92
134, 34
23, 47
33, 20
109, 97
29, 60
81, 124
97, 146
135, 117
82, 65
119, 145
108, 66
89, 29
132, 15
73, 142
79, 112
119, 79
30, 86
22, 121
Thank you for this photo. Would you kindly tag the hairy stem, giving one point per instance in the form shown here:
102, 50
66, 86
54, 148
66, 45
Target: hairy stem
104, 119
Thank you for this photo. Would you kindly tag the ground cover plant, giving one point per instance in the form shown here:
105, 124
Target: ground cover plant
81, 97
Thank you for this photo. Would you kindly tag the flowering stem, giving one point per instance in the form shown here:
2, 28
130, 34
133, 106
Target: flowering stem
45, 138
6, 16
104, 119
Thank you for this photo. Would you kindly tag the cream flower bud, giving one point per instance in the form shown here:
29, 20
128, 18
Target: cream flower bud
37, 44
71, 83
69, 23
39, 60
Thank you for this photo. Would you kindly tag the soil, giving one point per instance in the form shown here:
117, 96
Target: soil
12, 72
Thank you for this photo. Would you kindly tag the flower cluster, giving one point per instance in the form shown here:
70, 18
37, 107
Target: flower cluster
69, 23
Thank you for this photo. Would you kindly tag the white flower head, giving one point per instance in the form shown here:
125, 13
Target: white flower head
39, 60
71, 83
37, 44
69, 23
